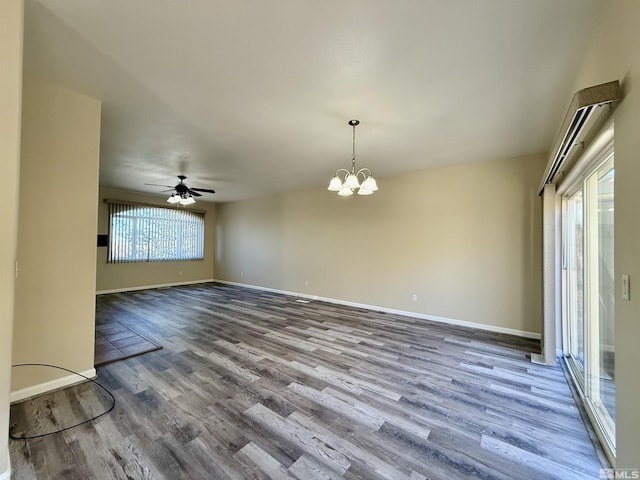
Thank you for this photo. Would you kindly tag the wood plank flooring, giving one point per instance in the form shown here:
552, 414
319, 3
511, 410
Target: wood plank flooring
114, 342
254, 385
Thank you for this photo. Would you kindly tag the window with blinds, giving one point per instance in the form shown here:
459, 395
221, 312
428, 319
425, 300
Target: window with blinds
141, 233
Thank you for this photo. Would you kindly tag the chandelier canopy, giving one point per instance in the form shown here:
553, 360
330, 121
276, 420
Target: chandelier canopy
350, 182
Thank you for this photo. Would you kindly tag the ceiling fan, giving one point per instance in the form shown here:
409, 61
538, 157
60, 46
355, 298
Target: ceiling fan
183, 194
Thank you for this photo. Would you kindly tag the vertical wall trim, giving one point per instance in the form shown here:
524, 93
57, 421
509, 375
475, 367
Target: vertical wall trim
558, 276
549, 274
11, 48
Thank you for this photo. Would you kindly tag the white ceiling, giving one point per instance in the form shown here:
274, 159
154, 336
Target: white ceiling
251, 97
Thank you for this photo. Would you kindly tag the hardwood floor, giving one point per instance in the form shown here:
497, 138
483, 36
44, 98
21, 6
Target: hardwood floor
256, 385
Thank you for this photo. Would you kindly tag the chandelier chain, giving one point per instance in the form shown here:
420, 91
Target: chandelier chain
353, 154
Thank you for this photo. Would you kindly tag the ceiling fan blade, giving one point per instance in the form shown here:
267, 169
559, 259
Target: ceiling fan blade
206, 190
156, 185
195, 194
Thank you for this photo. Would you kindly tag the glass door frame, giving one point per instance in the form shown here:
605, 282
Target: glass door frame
583, 382
568, 309
592, 306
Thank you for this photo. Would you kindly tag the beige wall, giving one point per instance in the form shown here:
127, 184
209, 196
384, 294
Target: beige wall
11, 26
465, 239
118, 276
55, 289
614, 54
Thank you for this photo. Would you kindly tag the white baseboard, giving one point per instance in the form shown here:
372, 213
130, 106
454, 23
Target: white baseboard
147, 287
406, 313
56, 384
6, 475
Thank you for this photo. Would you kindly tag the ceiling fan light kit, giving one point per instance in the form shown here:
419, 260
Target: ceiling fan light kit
184, 199
350, 182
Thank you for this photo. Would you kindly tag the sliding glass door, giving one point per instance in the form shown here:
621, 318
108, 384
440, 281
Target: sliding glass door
588, 292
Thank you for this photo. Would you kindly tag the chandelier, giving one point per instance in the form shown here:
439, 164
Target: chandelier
351, 178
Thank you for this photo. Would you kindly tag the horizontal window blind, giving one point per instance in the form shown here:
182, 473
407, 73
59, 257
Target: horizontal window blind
143, 233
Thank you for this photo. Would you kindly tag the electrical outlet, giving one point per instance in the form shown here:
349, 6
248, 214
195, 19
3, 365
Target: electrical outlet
626, 287
180, 273
242, 274
414, 297
306, 283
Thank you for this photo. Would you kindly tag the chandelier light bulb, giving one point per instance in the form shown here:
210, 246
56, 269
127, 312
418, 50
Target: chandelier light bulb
370, 184
352, 181
335, 184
